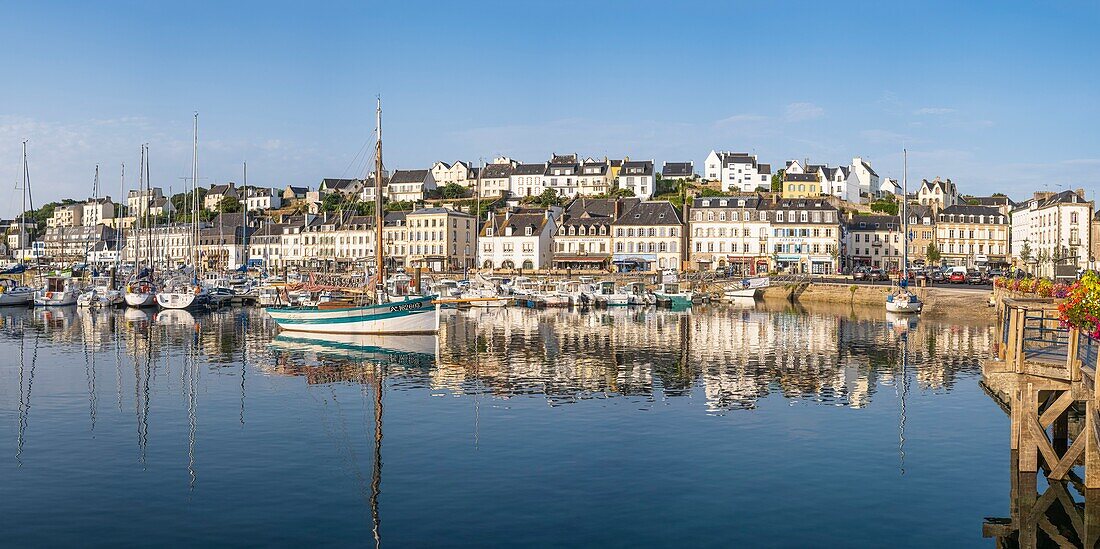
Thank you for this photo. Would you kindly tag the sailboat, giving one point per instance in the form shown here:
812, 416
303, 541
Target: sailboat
408, 315
186, 292
12, 292
141, 291
902, 300
102, 292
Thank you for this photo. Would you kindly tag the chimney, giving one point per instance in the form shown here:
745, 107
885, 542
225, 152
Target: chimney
1080, 192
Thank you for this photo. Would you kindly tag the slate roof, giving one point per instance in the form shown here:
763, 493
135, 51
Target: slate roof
764, 168
677, 169
333, 184
218, 189
298, 190
868, 167
432, 211
496, 171
637, 167
658, 212
529, 169
752, 201
594, 211
800, 177
727, 157
519, 220
1004, 200
798, 204
594, 168
874, 222
409, 176
967, 210
394, 218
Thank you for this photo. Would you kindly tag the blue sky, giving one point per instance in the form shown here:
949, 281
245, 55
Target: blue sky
995, 96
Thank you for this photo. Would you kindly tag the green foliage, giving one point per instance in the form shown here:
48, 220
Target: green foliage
398, 206
885, 206
182, 201
1025, 251
932, 253
999, 195
332, 202
549, 197
777, 180
453, 190
706, 192
230, 204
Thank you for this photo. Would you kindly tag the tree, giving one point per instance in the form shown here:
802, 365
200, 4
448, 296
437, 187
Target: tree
229, 204
933, 253
999, 195
886, 206
332, 202
548, 198
1025, 251
453, 190
777, 181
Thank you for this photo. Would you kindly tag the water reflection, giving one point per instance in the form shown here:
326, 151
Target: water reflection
189, 372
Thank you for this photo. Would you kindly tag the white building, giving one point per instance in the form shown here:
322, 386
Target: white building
460, 172
561, 175
1052, 228
526, 180
874, 241
97, 210
649, 237
938, 194
729, 233
217, 193
70, 215
868, 179
261, 198
137, 201
495, 177
737, 171
637, 176
840, 182
594, 178
518, 239
410, 185
805, 234
888, 187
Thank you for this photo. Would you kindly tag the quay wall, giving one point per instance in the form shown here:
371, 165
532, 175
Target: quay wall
944, 303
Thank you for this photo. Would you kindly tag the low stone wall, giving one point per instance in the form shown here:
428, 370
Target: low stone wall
938, 302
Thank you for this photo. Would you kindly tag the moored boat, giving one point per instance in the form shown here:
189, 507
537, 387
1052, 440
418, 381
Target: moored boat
748, 287
14, 294
408, 316
672, 295
59, 291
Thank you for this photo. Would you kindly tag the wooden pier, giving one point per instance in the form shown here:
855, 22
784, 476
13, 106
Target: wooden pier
1044, 376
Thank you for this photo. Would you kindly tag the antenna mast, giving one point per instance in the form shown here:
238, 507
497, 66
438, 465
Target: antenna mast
379, 214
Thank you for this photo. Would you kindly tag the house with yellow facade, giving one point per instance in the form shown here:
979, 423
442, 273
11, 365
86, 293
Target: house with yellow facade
801, 185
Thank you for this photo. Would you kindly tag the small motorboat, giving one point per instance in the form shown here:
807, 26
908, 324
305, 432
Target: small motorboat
747, 287
59, 291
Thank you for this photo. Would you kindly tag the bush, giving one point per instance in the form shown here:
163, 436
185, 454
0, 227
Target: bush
1081, 308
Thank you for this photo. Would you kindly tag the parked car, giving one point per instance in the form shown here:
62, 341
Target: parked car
938, 276
975, 277
957, 277
920, 275
877, 274
860, 273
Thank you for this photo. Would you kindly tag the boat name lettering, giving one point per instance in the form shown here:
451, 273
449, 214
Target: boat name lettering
406, 306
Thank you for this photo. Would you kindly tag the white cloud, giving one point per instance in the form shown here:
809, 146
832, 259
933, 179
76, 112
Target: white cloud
739, 119
797, 112
933, 111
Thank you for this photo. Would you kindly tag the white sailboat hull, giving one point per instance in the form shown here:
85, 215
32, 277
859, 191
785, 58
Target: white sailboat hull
141, 299
55, 299
407, 317
17, 296
179, 300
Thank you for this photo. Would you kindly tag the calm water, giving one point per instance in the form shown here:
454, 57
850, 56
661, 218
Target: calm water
719, 427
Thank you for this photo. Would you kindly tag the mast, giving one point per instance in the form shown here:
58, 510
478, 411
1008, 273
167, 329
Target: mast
905, 213
142, 213
379, 215
148, 211
120, 237
23, 217
244, 228
195, 201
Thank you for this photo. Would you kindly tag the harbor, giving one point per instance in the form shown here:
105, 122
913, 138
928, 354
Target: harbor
177, 419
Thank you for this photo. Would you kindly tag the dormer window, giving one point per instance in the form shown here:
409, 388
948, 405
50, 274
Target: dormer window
489, 231
527, 231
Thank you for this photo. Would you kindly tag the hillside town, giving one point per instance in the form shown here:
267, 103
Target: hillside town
734, 215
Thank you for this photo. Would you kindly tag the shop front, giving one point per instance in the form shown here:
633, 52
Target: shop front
628, 262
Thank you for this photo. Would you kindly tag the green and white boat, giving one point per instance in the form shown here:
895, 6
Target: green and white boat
672, 295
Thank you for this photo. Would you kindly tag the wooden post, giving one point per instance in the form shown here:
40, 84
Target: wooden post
1060, 433
1092, 445
1091, 535
1027, 494
1029, 458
